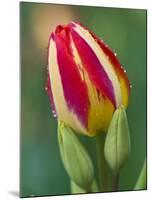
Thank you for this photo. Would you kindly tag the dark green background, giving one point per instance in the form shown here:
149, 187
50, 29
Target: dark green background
124, 30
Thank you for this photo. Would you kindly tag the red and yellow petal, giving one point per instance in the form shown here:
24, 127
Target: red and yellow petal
69, 92
120, 72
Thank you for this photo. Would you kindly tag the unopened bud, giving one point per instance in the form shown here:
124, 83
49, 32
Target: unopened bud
75, 158
117, 144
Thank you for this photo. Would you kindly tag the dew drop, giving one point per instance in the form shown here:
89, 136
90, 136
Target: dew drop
124, 71
55, 115
130, 86
46, 88
115, 54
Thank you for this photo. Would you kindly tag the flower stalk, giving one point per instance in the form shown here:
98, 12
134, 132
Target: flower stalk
102, 167
115, 182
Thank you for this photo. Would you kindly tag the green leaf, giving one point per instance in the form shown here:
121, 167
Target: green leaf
142, 182
117, 143
75, 158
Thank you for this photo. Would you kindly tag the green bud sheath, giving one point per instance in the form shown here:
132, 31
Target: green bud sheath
77, 190
117, 143
75, 158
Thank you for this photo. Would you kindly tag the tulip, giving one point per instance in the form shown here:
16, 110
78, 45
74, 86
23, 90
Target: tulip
86, 83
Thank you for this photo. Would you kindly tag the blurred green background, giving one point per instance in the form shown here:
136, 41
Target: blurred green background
124, 30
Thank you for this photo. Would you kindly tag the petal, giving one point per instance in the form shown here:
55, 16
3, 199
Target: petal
97, 64
100, 108
121, 73
69, 92
122, 76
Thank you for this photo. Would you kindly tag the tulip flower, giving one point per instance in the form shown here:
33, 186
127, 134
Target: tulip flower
86, 82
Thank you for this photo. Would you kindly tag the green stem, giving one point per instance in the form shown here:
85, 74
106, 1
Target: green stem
103, 169
141, 182
115, 182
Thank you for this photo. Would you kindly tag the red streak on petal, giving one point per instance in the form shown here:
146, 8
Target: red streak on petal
114, 60
107, 50
75, 90
93, 66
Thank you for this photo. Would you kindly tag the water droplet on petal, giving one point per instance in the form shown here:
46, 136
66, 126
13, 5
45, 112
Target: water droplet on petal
124, 70
54, 115
46, 88
115, 54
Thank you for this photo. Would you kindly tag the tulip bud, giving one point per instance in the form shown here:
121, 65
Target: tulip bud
75, 158
86, 82
117, 143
